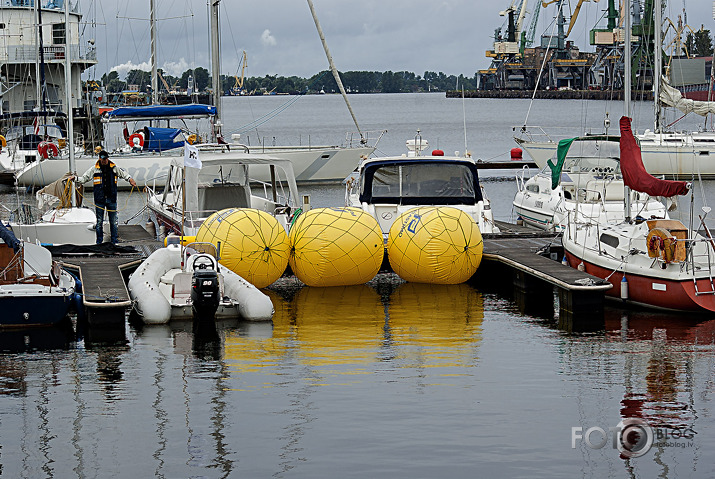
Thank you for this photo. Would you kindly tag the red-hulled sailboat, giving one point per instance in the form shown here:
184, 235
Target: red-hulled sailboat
659, 263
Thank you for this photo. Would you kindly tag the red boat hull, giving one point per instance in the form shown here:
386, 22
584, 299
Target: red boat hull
654, 292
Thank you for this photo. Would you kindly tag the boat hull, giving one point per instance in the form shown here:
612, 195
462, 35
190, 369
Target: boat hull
319, 165
654, 292
659, 158
30, 305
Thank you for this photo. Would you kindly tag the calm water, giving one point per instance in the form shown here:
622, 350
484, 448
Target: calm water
387, 379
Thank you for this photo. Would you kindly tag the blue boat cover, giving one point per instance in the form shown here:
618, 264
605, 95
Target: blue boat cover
162, 111
161, 139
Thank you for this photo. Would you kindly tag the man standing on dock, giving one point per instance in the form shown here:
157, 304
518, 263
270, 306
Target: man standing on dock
105, 174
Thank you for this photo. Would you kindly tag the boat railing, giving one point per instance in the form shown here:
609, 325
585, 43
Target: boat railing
521, 178
537, 134
354, 140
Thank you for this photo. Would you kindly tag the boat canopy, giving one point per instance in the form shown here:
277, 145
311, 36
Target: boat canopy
634, 173
152, 112
421, 182
162, 139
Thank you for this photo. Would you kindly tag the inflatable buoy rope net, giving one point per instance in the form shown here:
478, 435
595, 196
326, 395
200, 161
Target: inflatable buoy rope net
252, 243
336, 247
438, 245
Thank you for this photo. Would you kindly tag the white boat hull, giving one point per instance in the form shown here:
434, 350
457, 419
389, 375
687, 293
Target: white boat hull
156, 303
679, 160
318, 165
73, 226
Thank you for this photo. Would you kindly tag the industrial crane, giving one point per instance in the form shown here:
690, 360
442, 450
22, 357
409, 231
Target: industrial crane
238, 86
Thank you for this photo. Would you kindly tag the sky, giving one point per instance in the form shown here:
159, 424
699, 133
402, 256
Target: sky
280, 38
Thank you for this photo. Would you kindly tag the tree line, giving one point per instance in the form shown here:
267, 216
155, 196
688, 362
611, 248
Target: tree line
322, 82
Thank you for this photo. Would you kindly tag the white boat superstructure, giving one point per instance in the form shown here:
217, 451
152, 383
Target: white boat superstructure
190, 195
589, 188
389, 186
182, 282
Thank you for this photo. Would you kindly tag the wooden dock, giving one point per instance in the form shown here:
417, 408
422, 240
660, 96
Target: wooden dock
512, 260
105, 296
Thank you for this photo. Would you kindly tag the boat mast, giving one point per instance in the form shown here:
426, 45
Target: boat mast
658, 67
363, 140
154, 75
627, 91
38, 84
68, 91
215, 66
43, 86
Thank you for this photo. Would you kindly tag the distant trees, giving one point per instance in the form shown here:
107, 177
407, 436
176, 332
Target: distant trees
353, 81
699, 44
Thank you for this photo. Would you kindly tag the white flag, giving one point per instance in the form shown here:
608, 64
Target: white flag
191, 156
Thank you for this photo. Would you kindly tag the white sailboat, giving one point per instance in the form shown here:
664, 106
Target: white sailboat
655, 263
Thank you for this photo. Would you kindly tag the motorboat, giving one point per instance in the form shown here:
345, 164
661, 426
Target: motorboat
583, 185
387, 187
34, 289
184, 282
190, 195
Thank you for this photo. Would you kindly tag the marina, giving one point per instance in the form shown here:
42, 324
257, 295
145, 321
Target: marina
439, 293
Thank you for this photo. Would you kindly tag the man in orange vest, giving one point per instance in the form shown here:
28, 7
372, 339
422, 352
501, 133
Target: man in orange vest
105, 174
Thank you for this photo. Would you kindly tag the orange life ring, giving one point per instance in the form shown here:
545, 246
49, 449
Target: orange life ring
3, 141
135, 138
47, 149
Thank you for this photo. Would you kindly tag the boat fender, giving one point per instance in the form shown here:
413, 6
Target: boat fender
47, 149
516, 154
624, 288
253, 304
565, 261
437, 152
3, 141
581, 266
136, 140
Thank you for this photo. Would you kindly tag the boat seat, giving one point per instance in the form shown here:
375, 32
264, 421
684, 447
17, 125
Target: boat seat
182, 285
608, 190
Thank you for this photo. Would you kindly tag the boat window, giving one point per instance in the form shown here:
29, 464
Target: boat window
440, 181
532, 188
610, 240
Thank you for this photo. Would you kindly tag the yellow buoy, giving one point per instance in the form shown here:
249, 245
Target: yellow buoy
440, 245
336, 247
250, 242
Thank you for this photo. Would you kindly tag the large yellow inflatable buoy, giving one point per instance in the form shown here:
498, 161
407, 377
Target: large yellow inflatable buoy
440, 245
250, 242
336, 247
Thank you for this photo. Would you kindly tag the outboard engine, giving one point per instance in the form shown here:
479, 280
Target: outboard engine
205, 294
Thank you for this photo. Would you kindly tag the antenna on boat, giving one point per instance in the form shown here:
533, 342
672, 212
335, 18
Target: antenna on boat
464, 120
363, 140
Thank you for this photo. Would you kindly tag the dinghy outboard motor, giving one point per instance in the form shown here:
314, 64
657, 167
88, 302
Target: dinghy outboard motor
205, 294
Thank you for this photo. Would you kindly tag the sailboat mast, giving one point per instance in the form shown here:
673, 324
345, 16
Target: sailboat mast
335, 70
154, 75
627, 91
68, 90
38, 84
216, 66
658, 66
43, 85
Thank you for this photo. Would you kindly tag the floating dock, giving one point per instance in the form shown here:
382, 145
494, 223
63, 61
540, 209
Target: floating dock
105, 296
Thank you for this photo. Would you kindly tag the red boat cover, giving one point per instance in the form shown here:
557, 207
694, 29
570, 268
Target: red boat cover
634, 174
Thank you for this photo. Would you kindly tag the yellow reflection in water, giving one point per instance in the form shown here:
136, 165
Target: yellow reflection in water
346, 330
436, 325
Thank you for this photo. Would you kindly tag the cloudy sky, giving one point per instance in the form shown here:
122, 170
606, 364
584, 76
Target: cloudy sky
280, 37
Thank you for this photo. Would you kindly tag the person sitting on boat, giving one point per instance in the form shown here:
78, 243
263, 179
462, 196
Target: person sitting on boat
105, 174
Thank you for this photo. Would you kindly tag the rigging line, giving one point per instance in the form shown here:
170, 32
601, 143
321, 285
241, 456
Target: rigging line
541, 70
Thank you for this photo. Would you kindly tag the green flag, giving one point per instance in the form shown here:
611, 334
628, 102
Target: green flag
561, 151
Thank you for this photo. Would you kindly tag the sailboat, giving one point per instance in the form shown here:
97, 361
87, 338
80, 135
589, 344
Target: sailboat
657, 263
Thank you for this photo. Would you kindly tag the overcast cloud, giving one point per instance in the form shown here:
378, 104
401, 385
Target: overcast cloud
280, 37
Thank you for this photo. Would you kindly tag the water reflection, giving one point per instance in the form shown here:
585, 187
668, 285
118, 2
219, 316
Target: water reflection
347, 330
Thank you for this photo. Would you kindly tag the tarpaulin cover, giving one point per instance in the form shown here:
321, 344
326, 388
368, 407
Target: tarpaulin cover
161, 111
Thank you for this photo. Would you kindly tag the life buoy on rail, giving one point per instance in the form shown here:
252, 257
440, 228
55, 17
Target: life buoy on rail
47, 149
3, 141
136, 140
191, 139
